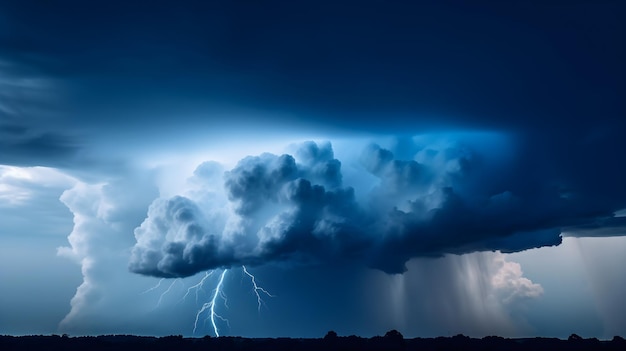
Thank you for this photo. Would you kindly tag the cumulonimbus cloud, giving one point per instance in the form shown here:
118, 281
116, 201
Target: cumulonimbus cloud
297, 208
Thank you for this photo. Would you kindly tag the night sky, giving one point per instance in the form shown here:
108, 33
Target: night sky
286, 168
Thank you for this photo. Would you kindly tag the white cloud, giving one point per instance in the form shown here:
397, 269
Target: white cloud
471, 294
509, 282
20, 185
104, 217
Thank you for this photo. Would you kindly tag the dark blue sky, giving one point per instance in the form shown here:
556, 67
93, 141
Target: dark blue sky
454, 129
523, 65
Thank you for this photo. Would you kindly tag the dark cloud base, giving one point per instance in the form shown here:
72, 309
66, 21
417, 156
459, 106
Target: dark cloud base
297, 209
20, 146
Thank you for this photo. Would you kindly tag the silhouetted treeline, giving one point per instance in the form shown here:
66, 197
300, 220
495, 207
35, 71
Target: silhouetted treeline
392, 341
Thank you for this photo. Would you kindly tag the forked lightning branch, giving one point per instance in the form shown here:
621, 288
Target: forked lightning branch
208, 310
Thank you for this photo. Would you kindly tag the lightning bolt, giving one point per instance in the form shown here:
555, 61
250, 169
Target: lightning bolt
257, 289
154, 287
211, 306
197, 287
167, 291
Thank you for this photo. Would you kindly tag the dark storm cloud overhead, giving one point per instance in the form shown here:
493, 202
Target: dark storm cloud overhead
258, 179
607, 226
30, 130
518, 65
272, 196
20, 146
190, 244
285, 210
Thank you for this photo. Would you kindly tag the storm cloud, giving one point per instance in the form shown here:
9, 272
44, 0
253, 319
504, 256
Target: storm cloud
297, 209
456, 130
29, 101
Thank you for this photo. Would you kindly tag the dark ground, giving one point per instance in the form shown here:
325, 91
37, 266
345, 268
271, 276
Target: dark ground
391, 341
